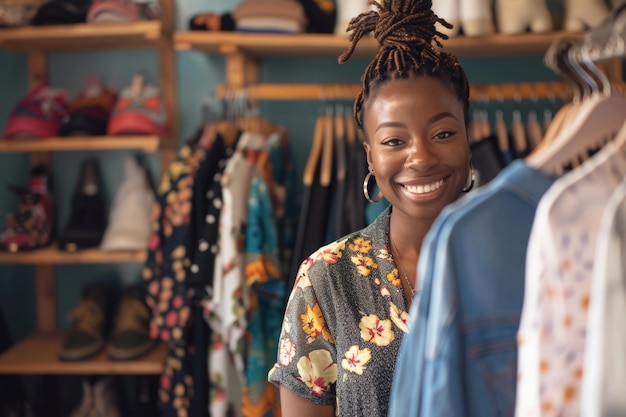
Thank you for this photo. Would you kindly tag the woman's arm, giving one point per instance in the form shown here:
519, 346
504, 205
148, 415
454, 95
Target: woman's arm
292, 405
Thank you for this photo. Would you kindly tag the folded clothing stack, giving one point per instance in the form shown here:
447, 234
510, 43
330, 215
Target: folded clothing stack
270, 16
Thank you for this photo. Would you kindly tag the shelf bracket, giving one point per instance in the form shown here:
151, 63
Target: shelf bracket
241, 70
46, 298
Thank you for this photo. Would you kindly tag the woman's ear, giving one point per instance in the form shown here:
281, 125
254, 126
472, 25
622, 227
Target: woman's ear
368, 153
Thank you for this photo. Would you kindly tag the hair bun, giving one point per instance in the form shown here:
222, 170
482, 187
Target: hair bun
401, 20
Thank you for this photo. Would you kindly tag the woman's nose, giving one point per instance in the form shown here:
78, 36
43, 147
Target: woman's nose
421, 157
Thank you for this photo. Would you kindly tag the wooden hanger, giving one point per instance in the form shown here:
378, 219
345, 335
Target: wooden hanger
326, 171
502, 133
340, 140
533, 129
315, 152
351, 135
519, 133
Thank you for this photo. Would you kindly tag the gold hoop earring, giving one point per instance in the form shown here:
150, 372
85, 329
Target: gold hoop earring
471, 179
366, 187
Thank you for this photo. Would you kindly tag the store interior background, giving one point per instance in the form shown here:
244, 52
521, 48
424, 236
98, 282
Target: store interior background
197, 76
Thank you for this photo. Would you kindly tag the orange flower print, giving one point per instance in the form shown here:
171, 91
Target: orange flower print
286, 351
399, 318
376, 331
360, 245
356, 359
363, 264
394, 278
317, 370
314, 325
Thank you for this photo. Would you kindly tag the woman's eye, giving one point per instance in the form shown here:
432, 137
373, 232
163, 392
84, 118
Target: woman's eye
443, 135
393, 142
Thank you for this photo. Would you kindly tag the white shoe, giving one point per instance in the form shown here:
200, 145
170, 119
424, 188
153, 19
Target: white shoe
476, 17
346, 11
129, 219
517, 16
449, 11
581, 15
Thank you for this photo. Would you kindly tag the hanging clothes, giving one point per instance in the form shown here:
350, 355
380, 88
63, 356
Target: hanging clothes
604, 361
164, 278
226, 308
265, 283
202, 247
561, 256
459, 357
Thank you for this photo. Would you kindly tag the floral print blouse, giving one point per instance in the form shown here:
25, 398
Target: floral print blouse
343, 325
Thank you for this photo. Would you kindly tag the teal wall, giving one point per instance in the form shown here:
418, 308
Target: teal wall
197, 76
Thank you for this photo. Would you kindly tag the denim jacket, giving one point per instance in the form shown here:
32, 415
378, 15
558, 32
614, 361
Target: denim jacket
460, 356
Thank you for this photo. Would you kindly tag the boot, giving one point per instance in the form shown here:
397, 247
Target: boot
583, 14
90, 324
130, 337
85, 407
517, 16
476, 17
346, 10
449, 11
88, 217
106, 399
31, 224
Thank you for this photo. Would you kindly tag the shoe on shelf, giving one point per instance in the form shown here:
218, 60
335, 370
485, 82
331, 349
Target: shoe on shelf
90, 112
88, 216
31, 224
129, 219
86, 406
87, 337
38, 114
100, 398
139, 110
61, 12
130, 337
18, 12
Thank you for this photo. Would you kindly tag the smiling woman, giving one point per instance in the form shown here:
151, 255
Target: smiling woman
347, 312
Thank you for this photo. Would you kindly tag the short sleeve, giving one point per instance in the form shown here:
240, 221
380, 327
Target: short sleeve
307, 358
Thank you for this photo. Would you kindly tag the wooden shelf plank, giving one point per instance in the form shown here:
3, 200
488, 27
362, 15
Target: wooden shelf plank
81, 143
38, 355
332, 46
82, 36
52, 255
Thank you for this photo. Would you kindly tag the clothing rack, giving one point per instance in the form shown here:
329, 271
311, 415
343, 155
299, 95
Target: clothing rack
504, 91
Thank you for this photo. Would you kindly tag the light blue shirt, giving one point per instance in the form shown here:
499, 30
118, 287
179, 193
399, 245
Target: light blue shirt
460, 356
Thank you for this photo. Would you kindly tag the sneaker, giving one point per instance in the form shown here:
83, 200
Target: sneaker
90, 323
129, 219
139, 110
18, 12
88, 217
38, 115
61, 12
130, 337
113, 11
89, 114
30, 225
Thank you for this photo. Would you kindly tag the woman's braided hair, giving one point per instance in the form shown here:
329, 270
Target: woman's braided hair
405, 31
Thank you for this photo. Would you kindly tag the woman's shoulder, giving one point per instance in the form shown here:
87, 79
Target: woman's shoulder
341, 255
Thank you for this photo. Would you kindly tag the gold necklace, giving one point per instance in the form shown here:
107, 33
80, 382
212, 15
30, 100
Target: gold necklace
401, 268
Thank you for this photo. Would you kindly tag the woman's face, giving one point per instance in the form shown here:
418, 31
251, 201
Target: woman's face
417, 144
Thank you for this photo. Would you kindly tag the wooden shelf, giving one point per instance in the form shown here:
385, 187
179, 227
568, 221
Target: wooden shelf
332, 46
81, 36
52, 255
81, 143
38, 355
